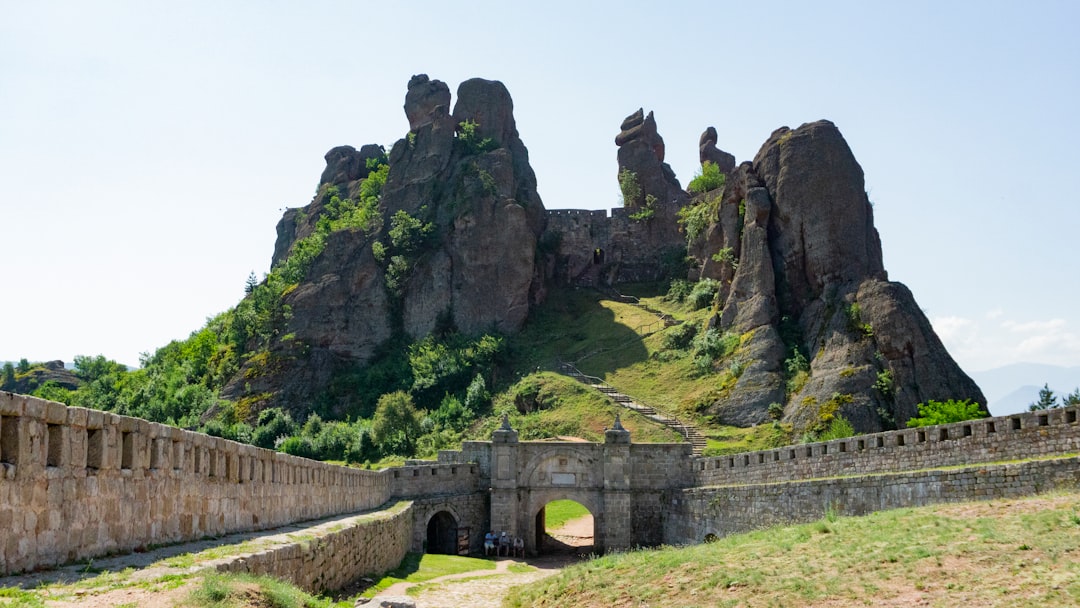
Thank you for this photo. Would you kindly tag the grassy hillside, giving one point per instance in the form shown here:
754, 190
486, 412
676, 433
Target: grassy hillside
627, 347
418, 397
547, 405
1023, 552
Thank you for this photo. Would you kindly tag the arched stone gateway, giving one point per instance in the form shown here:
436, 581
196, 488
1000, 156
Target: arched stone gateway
540, 531
621, 484
442, 534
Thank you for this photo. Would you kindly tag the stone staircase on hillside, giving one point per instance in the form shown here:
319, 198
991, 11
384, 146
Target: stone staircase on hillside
688, 431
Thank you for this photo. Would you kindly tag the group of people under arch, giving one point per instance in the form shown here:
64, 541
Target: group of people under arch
502, 544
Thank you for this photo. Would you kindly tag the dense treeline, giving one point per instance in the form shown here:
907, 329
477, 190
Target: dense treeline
180, 385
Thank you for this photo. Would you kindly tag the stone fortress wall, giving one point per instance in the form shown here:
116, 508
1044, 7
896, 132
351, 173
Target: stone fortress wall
77, 483
1019, 436
596, 248
992, 458
692, 515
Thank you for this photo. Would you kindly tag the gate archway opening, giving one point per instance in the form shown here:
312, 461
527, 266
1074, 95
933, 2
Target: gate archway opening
442, 534
565, 527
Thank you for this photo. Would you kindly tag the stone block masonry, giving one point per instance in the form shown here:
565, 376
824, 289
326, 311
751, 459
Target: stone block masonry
693, 514
1016, 437
78, 483
333, 554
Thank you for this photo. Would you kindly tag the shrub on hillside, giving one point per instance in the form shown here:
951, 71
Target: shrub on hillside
680, 336
273, 423
703, 293
713, 346
943, 412
679, 290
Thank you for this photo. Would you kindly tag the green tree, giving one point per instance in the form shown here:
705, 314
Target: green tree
8, 382
251, 283
629, 188
1072, 398
838, 428
89, 369
23, 367
452, 414
1047, 400
477, 397
943, 412
52, 391
273, 423
397, 424
407, 232
696, 217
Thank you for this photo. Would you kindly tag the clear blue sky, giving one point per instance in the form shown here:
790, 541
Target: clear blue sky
147, 149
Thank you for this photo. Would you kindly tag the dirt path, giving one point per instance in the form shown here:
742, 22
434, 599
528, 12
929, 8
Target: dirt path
487, 588
576, 532
480, 588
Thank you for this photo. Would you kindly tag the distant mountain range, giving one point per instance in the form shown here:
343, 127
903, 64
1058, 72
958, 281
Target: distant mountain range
1011, 388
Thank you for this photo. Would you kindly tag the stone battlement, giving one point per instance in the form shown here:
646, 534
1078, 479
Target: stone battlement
582, 213
1015, 437
78, 483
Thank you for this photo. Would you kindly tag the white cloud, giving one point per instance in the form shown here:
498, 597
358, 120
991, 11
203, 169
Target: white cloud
1034, 326
993, 314
953, 328
981, 344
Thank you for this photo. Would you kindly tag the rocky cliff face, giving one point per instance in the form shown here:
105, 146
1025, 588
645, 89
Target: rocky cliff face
455, 246
825, 332
459, 242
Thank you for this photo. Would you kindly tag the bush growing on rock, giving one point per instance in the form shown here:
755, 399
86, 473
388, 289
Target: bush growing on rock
943, 412
703, 293
708, 179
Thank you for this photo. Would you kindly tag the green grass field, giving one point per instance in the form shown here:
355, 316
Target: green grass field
558, 512
1021, 552
417, 568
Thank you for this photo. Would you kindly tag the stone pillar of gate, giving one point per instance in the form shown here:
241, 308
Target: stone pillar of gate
616, 531
504, 480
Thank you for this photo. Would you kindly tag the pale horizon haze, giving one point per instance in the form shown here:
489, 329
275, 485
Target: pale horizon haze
148, 149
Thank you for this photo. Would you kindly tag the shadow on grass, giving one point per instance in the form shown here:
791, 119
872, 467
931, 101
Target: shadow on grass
574, 326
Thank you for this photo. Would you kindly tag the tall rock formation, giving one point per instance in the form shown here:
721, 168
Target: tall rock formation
824, 331
455, 246
708, 152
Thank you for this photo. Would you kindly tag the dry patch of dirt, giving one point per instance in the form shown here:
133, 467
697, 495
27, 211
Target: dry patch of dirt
130, 596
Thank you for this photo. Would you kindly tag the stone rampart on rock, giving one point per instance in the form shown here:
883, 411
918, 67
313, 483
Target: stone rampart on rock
78, 483
597, 249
